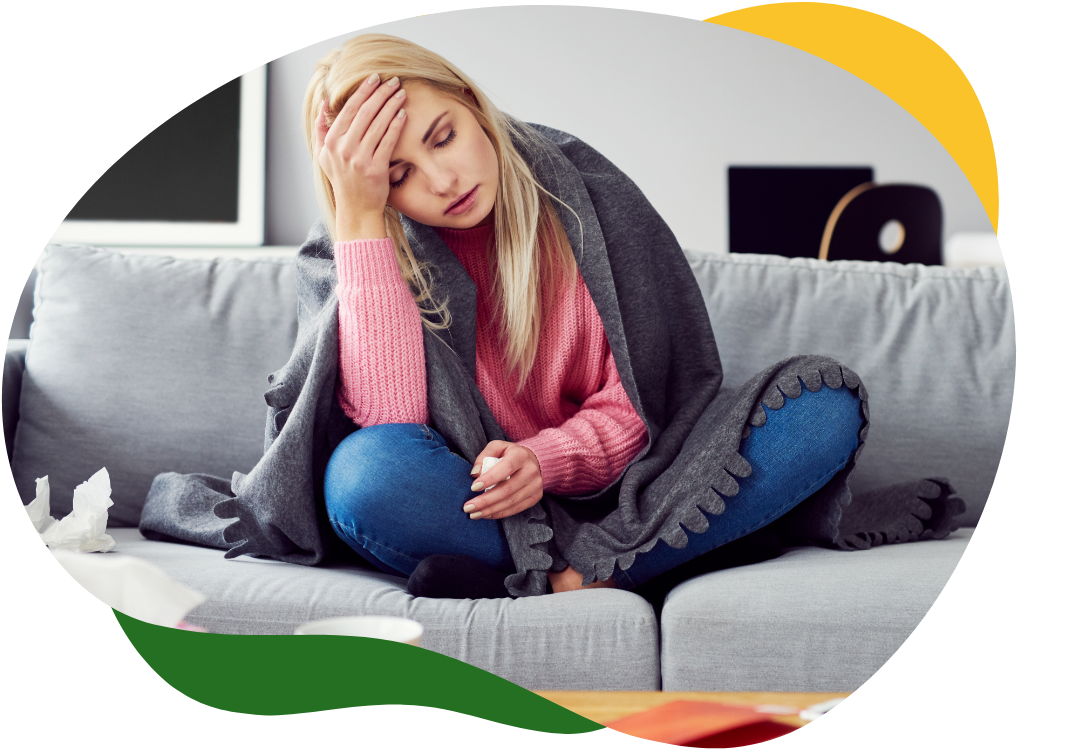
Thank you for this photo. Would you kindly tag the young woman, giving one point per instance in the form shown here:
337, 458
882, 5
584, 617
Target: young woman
462, 283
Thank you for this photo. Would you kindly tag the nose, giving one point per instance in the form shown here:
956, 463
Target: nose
442, 180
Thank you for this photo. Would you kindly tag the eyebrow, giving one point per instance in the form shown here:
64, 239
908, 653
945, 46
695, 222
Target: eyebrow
425, 137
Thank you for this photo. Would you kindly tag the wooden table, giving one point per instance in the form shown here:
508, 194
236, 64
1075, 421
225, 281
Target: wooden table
604, 707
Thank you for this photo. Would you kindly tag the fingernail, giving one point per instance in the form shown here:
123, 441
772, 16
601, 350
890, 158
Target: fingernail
374, 78
400, 93
474, 471
468, 507
474, 516
394, 82
476, 486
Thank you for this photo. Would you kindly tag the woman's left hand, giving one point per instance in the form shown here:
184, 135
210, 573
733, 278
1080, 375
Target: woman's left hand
521, 489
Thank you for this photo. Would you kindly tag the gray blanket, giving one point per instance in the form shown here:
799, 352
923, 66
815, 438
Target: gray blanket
658, 329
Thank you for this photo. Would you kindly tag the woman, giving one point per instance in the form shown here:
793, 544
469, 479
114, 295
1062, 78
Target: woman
481, 288
396, 131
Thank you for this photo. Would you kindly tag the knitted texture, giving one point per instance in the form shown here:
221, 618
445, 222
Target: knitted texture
381, 357
663, 346
573, 412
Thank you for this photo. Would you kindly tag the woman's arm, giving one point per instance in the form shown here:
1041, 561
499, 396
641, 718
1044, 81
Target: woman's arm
585, 454
590, 450
381, 355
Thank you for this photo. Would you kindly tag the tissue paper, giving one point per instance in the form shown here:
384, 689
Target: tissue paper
488, 463
83, 529
38, 510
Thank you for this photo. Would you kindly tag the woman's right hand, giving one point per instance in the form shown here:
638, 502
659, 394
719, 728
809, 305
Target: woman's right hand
354, 154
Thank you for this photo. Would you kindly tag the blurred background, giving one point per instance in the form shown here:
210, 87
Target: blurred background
672, 102
741, 143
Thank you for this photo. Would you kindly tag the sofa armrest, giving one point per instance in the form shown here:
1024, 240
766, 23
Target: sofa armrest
14, 363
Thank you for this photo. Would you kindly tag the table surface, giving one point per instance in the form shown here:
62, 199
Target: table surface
604, 706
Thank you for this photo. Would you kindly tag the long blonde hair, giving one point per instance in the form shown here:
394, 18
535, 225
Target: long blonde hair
532, 252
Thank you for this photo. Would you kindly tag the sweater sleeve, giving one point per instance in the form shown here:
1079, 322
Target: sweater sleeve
381, 355
591, 449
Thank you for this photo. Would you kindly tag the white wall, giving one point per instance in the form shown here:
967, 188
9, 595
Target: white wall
672, 102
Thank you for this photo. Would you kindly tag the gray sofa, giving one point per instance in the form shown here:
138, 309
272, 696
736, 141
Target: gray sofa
127, 366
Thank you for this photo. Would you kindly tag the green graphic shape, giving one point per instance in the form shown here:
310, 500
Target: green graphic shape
272, 675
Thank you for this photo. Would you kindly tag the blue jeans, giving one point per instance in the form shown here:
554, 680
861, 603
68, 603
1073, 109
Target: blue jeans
395, 492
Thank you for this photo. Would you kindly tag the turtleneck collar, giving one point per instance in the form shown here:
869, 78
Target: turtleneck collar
466, 241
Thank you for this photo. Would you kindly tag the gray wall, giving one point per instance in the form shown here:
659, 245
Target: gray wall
672, 102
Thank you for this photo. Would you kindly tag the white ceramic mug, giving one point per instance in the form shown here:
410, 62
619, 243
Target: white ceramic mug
368, 626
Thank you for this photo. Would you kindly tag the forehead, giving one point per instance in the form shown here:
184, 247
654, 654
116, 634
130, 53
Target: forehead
424, 105
421, 95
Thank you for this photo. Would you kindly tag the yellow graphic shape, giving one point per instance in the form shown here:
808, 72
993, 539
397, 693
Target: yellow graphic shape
908, 67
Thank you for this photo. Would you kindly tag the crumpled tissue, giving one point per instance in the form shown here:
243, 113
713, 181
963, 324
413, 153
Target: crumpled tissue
488, 463
133, 586
82, 530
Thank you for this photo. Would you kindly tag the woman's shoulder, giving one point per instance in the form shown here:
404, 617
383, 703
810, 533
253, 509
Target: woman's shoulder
584, 157
553, 135
566, 142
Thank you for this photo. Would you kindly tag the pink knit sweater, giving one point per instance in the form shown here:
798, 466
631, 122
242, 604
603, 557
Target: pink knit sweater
573, 412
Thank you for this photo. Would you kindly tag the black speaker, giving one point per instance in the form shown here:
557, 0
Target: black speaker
783, 210
899, 223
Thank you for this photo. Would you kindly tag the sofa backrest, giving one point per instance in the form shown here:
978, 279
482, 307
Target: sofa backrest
934, 346
149, 364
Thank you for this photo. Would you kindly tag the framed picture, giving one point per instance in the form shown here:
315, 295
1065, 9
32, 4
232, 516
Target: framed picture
198, 179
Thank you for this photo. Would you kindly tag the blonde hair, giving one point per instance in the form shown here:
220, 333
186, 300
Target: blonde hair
531, 250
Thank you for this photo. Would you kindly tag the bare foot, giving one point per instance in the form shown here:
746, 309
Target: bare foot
569, 580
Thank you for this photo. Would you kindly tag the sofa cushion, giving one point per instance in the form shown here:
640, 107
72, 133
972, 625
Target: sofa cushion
598, 639
148, 364
934, 346
813, 620
14, 361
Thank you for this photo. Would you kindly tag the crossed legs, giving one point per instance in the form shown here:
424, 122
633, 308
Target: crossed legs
395, 492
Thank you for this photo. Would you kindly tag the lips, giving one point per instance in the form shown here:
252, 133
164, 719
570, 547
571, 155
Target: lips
463, 203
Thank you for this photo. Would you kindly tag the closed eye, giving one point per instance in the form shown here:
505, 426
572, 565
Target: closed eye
442, 144
446, 141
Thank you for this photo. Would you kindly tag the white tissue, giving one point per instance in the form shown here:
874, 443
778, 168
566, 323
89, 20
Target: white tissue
488, 463
132, 586
38, 510
82, 530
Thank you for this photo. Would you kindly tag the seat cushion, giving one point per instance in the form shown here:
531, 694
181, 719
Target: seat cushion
935, 347
812, 620
597, 639
148, 364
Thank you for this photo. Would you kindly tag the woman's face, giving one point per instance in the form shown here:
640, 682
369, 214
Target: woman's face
443, 169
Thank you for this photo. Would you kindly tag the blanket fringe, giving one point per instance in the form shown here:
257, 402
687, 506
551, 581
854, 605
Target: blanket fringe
910, 512
901, 513
538, 561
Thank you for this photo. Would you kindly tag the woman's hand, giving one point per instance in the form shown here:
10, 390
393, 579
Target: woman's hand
521, 489
354, 154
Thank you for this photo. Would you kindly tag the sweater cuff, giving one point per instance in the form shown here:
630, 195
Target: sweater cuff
367, 263
552, 459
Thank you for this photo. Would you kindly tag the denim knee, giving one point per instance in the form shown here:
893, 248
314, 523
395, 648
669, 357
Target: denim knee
832, 422
395, 494
809, 438
357, 481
